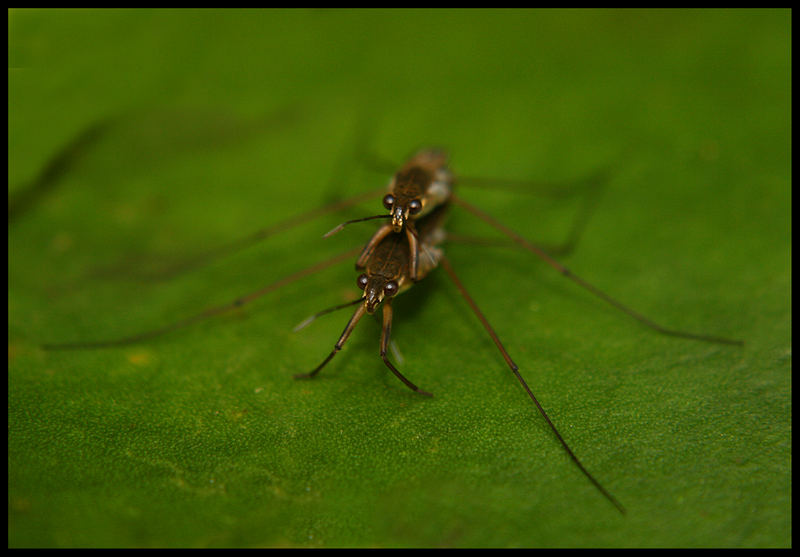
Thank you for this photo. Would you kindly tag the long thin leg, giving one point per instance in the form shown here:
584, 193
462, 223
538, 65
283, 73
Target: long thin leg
413, 251
515, 369
539, 252
230, 248
359, 313
595, 189
592, 187
555, 190
59, 164
550, 249
385, 337
211, 312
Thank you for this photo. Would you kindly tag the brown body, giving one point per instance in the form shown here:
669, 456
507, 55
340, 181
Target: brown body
392, 259
424, 178
418, 188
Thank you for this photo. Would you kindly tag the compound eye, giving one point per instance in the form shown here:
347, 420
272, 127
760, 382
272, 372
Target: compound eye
390, 289
414, 206
388, 201
361, 281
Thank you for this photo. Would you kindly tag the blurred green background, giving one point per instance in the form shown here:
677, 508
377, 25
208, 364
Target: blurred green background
154, 135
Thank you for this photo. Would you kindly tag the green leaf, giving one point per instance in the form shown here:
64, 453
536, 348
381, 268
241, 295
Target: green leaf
216, 124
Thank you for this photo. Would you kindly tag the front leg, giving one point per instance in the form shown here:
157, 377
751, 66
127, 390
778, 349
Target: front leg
379, 235
385, 336
413, 251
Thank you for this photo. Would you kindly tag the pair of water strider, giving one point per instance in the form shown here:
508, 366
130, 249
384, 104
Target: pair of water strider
403, 251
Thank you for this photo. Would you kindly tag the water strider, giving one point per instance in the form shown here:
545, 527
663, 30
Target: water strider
401, 252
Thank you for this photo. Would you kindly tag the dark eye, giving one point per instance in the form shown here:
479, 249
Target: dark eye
414, 207
388, 200
390, 289
361, 281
